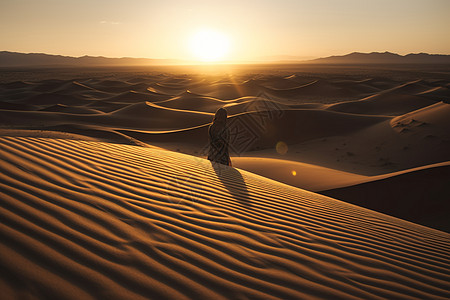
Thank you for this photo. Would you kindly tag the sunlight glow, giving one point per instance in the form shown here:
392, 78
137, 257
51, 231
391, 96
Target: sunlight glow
208, 45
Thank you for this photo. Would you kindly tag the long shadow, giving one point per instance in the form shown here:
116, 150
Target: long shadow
233, 182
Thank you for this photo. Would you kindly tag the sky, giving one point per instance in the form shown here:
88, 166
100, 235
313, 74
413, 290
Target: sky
253, 30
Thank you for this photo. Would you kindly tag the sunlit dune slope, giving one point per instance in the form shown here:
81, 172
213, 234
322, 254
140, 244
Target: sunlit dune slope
435, 116
306, 176
83, 220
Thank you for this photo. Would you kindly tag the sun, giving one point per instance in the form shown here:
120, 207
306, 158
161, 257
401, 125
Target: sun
209, 45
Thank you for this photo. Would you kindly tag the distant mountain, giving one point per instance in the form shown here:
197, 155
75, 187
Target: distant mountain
15, 59
385, 58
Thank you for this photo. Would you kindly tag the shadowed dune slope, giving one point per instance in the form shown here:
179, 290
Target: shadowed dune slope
149, 115
412, 87
84, 220
16, 106
258, 130
229, 91
134, 97
383, 104
71, 109
316, 88
191, 101
55, 98
266, 127
395, 101
420, 196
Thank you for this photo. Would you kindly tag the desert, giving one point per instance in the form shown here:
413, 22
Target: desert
338, 187
224, 150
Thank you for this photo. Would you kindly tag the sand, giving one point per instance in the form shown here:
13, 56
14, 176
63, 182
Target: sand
99, 220
338, 190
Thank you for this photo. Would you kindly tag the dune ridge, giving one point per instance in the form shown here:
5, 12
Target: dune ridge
93, 220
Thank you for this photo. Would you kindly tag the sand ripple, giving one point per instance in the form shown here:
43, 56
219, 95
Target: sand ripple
84, 220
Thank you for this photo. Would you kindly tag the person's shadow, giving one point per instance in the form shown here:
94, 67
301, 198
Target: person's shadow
233, 182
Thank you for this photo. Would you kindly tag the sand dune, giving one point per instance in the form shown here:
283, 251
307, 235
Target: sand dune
73, 87
412, 87
54, 99
16, 106
359, 86
411, 140
106, 106
96, 220
93, 206
131, 96
191, 101
116, 86
194, 102
383, 104
150, 115
15, 96
228, 91
395, 101
254, 131
47, 86
294, 109
87, 215
175, 85
405, 195
438, 93
302, 175
434, 115
71, 109
317, 88
288, 82
19, 84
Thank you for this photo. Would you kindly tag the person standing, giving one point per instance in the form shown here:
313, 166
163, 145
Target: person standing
219, 138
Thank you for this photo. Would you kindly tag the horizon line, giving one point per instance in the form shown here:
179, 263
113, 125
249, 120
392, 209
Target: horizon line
286, 56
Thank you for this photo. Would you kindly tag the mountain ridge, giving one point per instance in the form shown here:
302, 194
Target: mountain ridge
17, 59
384, 58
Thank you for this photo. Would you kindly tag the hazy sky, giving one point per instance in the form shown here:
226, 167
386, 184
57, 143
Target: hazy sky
255, 29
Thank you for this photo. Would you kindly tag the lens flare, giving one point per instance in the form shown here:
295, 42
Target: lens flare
281, 148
